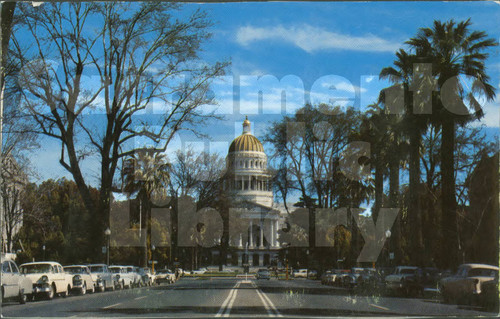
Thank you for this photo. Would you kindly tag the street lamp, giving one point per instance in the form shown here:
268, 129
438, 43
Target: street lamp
107, 232
153, 258
43, 248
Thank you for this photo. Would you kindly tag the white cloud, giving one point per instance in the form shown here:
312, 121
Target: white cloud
311, 39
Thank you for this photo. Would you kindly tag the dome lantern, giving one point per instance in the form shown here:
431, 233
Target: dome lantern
246, 126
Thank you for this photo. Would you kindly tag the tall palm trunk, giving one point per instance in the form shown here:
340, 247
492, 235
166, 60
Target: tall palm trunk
379, 181
395, 240
448, 202
414, 209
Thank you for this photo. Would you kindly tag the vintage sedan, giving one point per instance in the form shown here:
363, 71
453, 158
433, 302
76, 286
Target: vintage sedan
82, 279
263, 274
14, 285
165, 275
148, 277
48, 278
121, 276
134, 272
102, 277
405, 280
467, 284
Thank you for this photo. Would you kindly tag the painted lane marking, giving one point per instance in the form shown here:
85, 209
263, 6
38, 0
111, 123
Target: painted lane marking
110, 306
268, 304
138, 298
230, 305
379, 307
228, 299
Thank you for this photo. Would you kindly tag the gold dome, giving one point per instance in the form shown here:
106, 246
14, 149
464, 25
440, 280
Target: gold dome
246, 142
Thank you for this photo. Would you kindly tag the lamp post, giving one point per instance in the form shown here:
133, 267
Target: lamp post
43, 248
388, 236
153, 258
107, 232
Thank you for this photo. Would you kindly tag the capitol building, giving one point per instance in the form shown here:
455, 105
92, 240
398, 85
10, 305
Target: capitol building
248, 182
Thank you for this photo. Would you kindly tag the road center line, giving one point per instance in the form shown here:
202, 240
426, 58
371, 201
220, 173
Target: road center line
138, 298
228, 299
267, 303
110, 306
230, 305
379, 307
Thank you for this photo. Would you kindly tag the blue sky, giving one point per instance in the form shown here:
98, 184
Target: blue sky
309, 46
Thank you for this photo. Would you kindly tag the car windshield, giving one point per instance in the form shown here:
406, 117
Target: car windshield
357, 271
406, 271
114, 270
94, 269
37, 269
482, 272
74, 270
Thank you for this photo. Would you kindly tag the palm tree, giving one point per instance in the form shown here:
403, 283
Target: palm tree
402, 75
458, 56
147, 173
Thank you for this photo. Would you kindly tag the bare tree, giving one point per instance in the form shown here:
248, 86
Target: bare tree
106, 79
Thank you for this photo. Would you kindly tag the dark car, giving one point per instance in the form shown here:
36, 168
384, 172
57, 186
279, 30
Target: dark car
263, 274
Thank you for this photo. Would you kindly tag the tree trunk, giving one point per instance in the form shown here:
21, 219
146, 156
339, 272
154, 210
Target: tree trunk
414, 209
379, 182
448, 203
395, 240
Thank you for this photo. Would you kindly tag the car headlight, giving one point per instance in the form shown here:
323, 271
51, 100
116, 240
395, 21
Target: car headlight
77, 279
117, 277
44, 279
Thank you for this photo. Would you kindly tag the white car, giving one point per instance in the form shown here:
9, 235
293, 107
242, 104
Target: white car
165, 275
200, 271
467, 284
82, 279
121, 276
14, 285
48, 278
102, 277
134, 271
302, 273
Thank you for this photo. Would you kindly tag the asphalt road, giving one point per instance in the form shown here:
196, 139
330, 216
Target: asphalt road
191, 298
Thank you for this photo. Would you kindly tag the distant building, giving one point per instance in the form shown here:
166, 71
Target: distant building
248, 182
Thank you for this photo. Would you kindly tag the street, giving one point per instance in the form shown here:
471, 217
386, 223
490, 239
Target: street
235, 297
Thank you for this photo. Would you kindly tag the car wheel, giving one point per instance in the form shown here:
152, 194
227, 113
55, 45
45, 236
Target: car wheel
22, 297
52, 292
93, 289
66, 293
84, 289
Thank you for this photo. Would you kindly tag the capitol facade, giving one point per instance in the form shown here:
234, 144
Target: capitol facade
248, 184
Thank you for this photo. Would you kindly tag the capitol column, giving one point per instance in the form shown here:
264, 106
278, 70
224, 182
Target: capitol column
251, 234
261, 245
276, 243
271, 222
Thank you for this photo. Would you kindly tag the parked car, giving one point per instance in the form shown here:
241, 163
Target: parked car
148, 277
342, 277
326, 277
405, 280
299, 273
200, 271
102, 277
137, 278
165, 275
312, 274
488, 298
466, 284
351, 279
82, 279
14, 285
122, 278
263, 274
48, 278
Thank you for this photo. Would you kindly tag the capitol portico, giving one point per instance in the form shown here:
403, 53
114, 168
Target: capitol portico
248, 183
